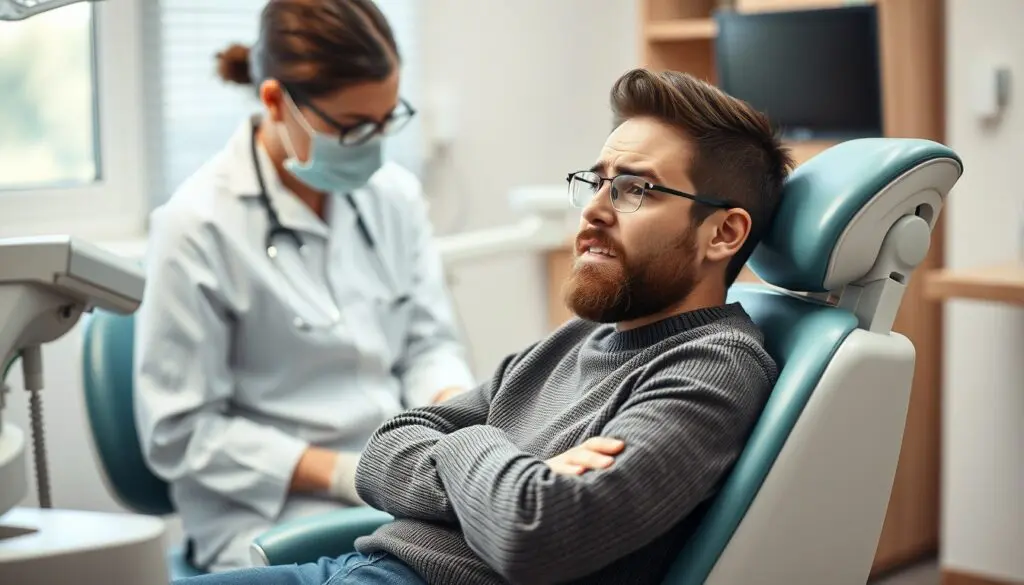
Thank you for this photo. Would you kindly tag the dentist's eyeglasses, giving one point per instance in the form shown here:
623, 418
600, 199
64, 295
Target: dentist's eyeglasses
362, 132
627, 191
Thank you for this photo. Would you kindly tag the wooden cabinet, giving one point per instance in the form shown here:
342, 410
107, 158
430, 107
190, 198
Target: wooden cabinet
679, 35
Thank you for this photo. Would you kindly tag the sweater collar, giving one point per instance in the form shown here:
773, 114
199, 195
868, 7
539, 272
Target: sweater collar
659, 331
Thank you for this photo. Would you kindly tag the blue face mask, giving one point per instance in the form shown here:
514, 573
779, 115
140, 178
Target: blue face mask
332, 166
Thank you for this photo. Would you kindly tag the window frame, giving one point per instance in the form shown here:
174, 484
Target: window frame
113, 206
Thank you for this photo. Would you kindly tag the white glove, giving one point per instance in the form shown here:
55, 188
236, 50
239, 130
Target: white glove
343, 481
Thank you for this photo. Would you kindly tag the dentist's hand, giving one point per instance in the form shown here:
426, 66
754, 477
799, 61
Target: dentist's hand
595, 453
314, 470
322, 471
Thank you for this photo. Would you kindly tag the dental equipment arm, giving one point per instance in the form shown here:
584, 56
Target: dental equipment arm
542, 227
22, 9
46, 284
531, 234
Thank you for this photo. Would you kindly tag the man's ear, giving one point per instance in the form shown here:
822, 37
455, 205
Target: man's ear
273, 98
731, 232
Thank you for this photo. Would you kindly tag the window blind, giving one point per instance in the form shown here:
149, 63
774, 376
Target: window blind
191, 113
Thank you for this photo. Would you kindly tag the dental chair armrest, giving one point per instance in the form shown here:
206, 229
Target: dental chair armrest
307, 539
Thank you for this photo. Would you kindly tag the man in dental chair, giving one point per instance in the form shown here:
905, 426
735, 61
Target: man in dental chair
590, 456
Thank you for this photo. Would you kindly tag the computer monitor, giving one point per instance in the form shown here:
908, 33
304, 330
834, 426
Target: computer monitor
815, 73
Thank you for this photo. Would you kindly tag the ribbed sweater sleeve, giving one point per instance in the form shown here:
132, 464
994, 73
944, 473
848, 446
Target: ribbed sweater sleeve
396, 472
683, 425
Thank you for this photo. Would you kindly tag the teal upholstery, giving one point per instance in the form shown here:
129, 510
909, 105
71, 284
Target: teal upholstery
178, 566
327, 535
802, 336
822, 196
108, 381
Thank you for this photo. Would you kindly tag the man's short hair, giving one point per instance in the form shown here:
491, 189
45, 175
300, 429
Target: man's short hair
738, 156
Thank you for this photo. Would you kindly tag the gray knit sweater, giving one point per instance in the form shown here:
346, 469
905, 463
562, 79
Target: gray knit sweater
475, 503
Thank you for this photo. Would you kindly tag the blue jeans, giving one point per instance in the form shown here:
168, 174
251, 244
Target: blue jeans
349, 569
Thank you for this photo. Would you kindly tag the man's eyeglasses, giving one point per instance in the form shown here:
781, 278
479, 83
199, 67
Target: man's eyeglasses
627, 191
356, 134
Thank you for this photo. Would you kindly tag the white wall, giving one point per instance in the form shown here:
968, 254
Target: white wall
983, 460
531, 81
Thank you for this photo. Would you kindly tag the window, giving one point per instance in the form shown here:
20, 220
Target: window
48, 107
194, 113
110, 116
70, 123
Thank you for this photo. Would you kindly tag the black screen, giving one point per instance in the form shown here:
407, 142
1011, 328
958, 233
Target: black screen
815, 73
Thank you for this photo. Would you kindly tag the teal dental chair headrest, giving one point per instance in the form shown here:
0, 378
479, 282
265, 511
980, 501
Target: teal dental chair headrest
837, 209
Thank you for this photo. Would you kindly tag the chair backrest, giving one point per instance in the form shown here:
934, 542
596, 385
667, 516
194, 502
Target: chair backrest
806, 500
107, 373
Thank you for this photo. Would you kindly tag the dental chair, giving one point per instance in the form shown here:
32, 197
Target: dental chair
107, 377
805, 502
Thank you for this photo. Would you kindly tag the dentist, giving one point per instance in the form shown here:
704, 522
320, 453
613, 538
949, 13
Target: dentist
294, 300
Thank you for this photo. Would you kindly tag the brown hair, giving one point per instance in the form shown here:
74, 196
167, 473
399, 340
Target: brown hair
314, 47
738, 157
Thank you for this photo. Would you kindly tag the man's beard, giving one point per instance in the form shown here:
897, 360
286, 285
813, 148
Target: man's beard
620, 290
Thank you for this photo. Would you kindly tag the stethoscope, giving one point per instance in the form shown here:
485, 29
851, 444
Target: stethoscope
276, 230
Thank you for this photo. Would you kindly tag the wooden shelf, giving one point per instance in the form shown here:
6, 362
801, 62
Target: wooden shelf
1001, 283
684, 29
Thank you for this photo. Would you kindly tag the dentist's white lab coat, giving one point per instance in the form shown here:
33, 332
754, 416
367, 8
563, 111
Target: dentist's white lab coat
230, 390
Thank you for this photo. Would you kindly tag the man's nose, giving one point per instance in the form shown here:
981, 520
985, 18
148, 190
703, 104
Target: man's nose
599, 210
